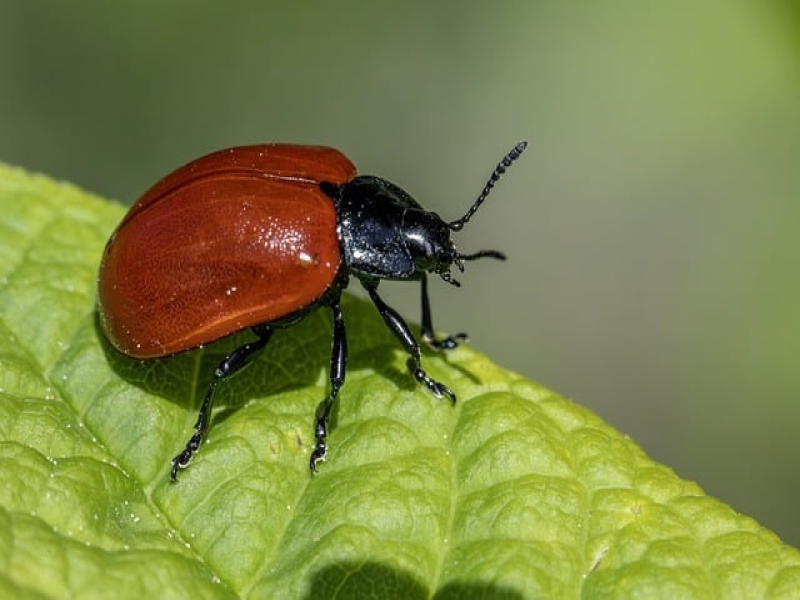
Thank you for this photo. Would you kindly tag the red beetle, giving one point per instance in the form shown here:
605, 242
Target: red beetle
257, 236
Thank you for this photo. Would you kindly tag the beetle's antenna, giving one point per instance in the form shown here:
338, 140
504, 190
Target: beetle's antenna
483, 254
458, 261
499, 170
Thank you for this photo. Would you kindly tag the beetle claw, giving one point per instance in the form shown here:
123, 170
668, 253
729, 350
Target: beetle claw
180, 462
443, 390
318, 455
439, 389
448, 343
320, 451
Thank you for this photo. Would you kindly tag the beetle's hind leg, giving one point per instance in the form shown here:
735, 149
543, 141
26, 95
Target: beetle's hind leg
428, 336
399, 327
232, 364
337, 374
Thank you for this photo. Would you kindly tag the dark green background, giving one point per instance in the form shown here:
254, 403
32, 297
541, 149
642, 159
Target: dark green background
653, 226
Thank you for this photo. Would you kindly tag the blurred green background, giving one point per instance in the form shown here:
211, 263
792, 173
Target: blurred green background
653, 226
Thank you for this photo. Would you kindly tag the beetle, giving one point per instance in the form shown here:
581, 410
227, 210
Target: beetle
257, 237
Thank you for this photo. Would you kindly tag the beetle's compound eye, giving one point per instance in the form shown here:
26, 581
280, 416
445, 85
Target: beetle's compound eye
419, 244
427, 240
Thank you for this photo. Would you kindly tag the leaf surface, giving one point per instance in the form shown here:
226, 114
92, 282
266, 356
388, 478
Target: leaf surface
514, 492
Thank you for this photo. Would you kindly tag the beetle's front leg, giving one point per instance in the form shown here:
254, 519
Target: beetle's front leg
428, 336
403, 333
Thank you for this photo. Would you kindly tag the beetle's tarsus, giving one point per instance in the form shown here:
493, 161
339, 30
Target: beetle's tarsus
439, 390
318, 455
448, 343
320, 434
179, 462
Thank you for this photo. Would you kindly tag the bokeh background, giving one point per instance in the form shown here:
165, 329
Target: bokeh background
653, 226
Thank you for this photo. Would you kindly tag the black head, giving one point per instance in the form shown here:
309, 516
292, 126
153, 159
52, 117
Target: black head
430, 248
386, 234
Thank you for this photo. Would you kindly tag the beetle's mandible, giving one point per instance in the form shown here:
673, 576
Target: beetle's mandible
258, 236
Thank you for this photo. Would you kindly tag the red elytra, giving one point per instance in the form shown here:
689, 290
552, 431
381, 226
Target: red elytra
190, 262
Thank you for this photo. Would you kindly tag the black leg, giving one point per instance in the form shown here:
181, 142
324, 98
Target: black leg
338, 367
233, 363
398, 326
428, 336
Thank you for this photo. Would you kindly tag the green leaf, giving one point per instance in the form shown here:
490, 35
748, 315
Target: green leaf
514, 492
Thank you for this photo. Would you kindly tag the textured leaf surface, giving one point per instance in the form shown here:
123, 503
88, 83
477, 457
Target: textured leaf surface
515, 492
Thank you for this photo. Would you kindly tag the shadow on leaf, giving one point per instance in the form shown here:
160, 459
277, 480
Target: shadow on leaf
375, 580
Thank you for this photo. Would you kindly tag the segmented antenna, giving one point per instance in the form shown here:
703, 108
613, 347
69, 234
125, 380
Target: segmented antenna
499, 170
